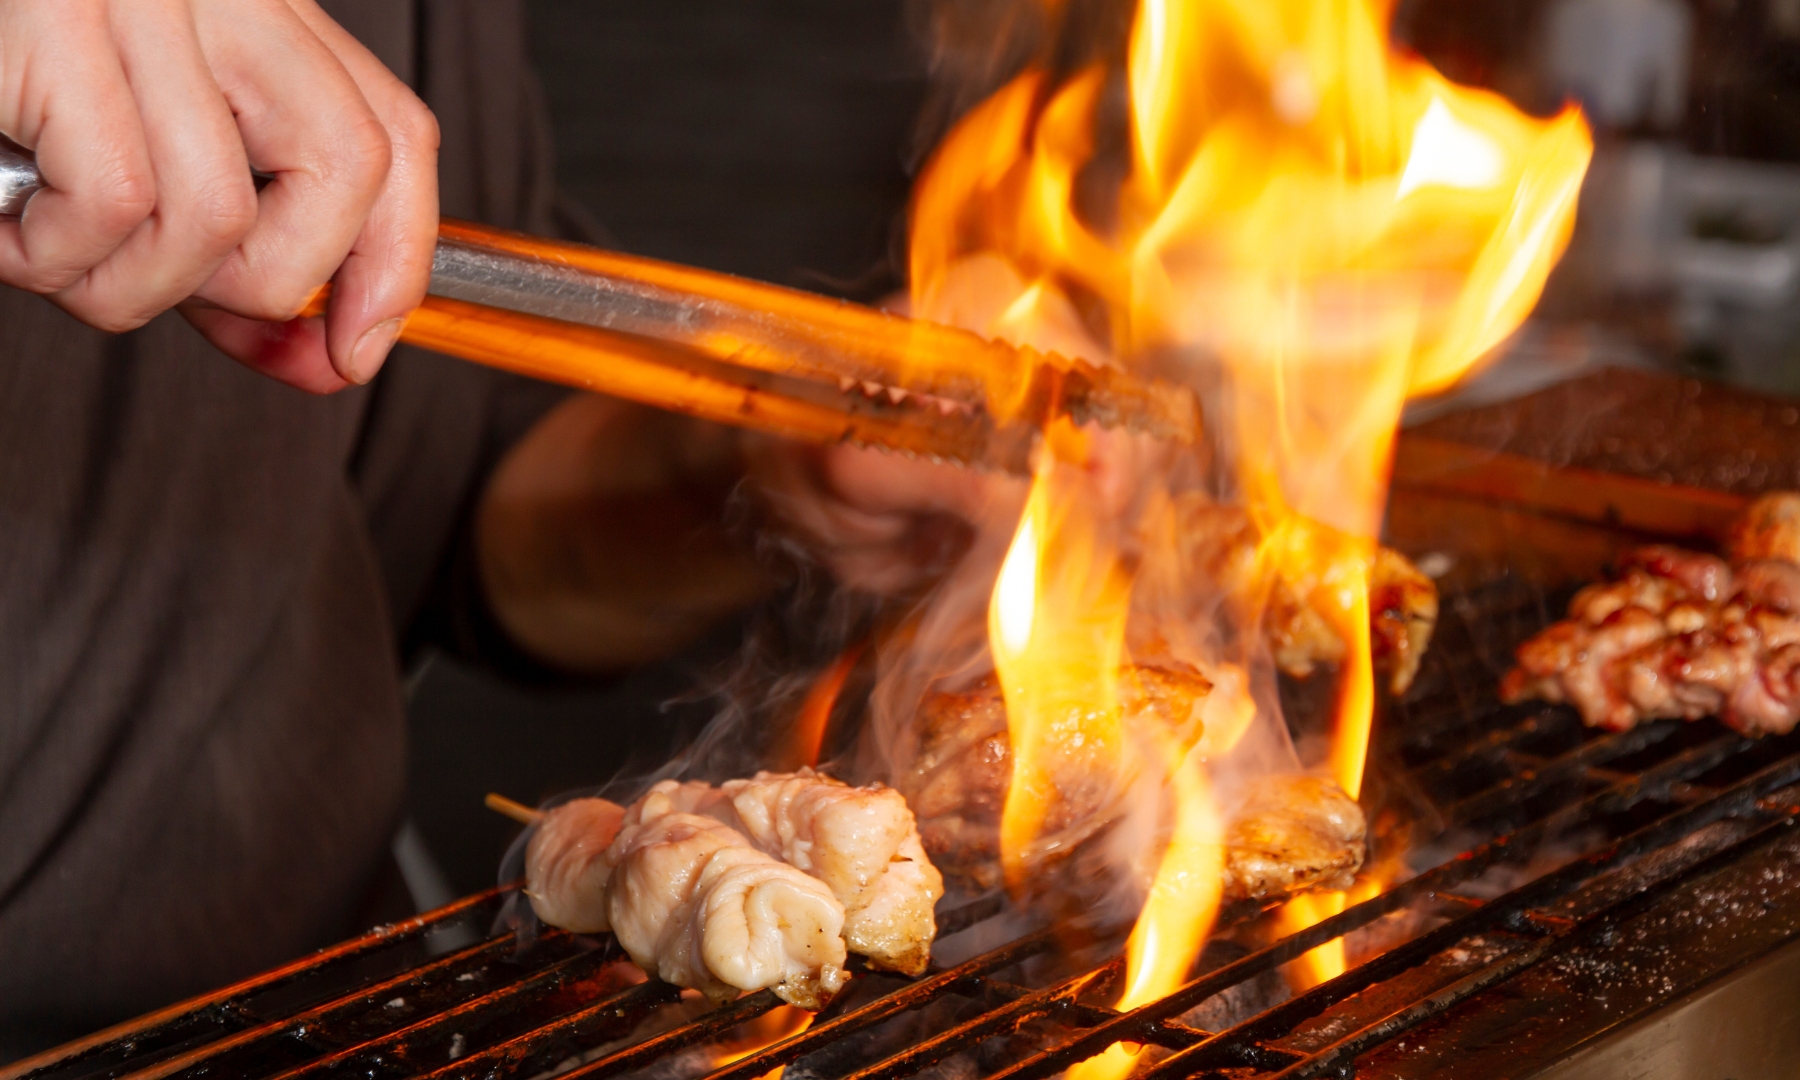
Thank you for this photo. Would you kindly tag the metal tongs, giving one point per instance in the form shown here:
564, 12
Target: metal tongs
746, 353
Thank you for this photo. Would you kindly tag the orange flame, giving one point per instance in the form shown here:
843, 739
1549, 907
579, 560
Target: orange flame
1320, 224
1057, 651
814, 715
781, 1022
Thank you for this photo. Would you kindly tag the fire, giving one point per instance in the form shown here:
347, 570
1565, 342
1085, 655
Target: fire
1316, 227
814, 714
1057, 631
1178, 911
781, 1022
1327, 961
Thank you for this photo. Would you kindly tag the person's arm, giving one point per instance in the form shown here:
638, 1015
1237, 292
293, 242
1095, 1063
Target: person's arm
147, 120
601, 539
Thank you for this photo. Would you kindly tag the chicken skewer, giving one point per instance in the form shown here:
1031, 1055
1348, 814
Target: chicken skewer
594, 866
863, 843
689, 898
1681, 634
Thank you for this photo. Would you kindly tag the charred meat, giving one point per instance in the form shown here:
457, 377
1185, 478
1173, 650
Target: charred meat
961, 764
1293, 834
1681, 634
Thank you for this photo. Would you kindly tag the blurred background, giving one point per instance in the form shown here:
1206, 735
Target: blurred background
778, 139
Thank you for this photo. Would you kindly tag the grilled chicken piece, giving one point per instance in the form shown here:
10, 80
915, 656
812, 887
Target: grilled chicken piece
1220, 543
688, 897
692, 900
1294, 833
958, 775
1769, 528
1680, 634
863, 843
961, 764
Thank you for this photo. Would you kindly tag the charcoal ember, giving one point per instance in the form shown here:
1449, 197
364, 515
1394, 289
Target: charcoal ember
1680, 634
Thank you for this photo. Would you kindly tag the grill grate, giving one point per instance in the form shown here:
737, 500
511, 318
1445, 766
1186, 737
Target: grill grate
1638, 817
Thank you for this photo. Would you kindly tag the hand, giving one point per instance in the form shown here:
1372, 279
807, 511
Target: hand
147, 117
880, 522
601, 538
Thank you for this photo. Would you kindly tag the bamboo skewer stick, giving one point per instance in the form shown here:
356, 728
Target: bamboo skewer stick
518, 811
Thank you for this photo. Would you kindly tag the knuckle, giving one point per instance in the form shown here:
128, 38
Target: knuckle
222, 211
367, 153
47, 281
115, 315
418, 126
118, 322
124, 198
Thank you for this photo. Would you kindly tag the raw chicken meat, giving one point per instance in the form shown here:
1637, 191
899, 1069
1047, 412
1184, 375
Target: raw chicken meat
673, 877
566, 865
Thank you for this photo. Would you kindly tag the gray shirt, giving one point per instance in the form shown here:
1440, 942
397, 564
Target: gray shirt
207, 576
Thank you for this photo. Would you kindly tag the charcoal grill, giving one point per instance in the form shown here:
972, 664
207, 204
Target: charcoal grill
1592, 885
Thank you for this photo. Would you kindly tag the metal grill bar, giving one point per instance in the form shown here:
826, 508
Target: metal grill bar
1740, 799
1341, 1053
908, 998
1139, 1025
1009, 1018
399, 1047
610, 1018
314, 1025
1520, 776
174, 1025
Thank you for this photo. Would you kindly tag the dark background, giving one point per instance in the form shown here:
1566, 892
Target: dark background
777, 140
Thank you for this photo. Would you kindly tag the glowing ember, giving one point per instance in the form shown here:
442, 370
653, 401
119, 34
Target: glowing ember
1316, 227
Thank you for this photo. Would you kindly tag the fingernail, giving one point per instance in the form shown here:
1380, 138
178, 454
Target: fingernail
371, 349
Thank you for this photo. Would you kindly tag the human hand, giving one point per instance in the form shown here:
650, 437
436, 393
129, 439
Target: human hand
880, 522
147, 119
